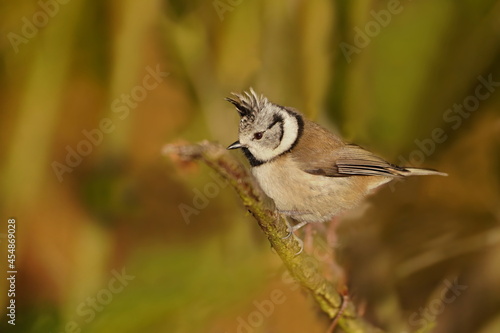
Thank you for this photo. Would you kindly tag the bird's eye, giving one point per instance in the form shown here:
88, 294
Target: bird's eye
258, 135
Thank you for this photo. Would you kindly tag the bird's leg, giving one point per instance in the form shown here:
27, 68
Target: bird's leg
291, 230
343, 305
331, 233
301, 244
333, 242
308, 240
298, 226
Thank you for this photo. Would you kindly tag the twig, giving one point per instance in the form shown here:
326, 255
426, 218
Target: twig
302, 267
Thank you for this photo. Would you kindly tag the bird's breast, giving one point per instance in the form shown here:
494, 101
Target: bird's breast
307, 197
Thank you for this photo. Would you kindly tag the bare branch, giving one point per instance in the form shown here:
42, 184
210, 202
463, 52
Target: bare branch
302, 267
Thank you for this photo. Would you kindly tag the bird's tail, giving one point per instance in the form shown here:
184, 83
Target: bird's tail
424, 172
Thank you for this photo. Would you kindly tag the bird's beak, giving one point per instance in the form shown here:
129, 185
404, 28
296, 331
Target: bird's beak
235, 145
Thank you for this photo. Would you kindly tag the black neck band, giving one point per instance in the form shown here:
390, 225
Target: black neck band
253, 161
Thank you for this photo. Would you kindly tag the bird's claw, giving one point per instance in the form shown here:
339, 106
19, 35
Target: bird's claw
290, 232
300, 241
301, 244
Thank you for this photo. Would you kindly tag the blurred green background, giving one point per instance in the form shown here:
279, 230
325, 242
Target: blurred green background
114, 237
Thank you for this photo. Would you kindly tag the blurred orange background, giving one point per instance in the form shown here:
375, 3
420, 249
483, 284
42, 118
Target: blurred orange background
114, 237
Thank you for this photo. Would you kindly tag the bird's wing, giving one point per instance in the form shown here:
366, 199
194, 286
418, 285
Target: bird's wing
350, 160
356, 161
320, 152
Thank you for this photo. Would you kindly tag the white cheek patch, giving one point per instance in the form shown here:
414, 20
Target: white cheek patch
290, 134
